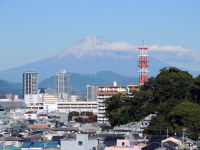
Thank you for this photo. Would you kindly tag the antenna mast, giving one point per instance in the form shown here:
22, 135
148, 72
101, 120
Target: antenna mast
143, 64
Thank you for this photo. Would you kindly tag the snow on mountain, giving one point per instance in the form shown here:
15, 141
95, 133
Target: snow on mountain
91, 55
97, 46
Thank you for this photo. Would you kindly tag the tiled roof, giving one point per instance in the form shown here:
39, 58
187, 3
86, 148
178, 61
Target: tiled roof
42, 144
190, 140
26, 144
152, 146
170, 143
39, 126
13, 138
11, 147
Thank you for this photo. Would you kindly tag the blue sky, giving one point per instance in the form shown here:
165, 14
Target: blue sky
32, 30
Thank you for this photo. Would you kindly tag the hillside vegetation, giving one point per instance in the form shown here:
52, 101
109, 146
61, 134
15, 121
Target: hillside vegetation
173, 94
8, 87
79, 81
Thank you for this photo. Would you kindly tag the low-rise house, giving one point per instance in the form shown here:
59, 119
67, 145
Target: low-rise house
172, 143
82, 142
190, 144
30, 115
123, 144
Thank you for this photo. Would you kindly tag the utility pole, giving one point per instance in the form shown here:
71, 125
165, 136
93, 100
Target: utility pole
167, 133
183, 136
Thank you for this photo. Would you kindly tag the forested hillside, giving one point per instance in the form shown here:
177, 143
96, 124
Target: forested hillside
9, 87
173, 94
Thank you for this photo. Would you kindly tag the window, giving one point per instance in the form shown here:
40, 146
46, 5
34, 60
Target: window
80, 143
94, 148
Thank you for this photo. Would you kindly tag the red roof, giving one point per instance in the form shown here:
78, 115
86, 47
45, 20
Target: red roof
110, 93
143, 47
111, 86
132, 84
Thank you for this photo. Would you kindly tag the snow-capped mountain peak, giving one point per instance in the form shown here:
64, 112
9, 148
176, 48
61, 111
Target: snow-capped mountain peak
95, 45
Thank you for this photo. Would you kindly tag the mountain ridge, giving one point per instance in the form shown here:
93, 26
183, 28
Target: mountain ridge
88, 56
78, 82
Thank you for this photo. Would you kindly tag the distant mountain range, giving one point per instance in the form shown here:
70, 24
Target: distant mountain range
88, 56
9, 87
78, 82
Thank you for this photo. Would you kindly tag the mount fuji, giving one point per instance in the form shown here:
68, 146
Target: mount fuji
90, 55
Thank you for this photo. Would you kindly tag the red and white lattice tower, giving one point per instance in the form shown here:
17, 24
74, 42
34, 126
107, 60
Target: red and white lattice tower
143, 64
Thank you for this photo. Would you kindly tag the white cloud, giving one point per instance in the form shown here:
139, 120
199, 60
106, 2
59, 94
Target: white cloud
95, 46
168, 48
175, 53
117, 46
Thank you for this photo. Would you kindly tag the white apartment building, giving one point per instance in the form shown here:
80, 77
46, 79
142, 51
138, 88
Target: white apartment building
78, 106
53, 103
131, 87
103, 93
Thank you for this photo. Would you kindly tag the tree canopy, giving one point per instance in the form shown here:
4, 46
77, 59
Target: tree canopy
173, 94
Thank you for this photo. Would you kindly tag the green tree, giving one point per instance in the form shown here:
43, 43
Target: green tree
172, 82
173, 94
186, 114
115, 109
195, 90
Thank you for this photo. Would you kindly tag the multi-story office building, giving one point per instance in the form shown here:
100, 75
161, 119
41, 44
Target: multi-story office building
105, 92
91, 93
63, 84
30, 88
30, 83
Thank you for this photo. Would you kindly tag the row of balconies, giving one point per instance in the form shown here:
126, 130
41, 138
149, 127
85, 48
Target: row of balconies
77, 104
76, 107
